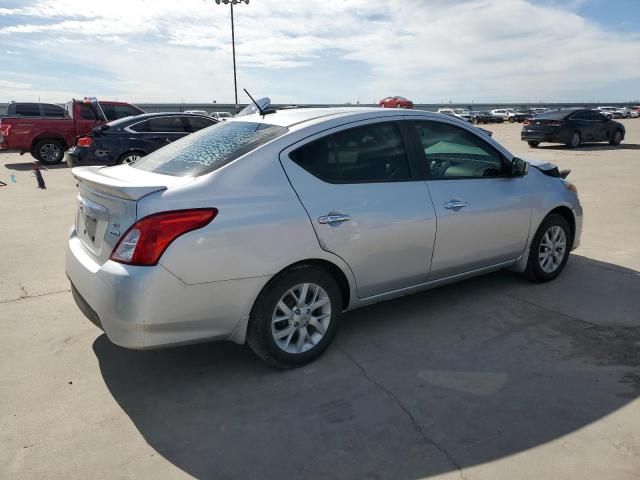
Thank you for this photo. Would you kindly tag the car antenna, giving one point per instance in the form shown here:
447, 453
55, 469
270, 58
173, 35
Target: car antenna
262, 111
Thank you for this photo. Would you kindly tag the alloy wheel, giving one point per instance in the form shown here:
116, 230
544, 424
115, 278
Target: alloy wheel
50, 152
130, 159
301, 318
552, 249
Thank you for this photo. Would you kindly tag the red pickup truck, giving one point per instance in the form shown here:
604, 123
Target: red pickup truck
46, 138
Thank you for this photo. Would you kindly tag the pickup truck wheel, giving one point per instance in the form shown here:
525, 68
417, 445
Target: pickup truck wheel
49, 152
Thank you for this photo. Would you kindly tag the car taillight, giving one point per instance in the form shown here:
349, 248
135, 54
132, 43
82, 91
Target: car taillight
145, 242
527, 122
4, 130
555, 123
85, 141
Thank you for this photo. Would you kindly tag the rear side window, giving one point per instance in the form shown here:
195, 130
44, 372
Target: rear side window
584, 115
172, 124
371, 153
28, 109
209, 149
452, 152
198, 123
53, 111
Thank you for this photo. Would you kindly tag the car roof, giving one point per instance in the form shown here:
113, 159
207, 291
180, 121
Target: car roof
297, 116
145, 116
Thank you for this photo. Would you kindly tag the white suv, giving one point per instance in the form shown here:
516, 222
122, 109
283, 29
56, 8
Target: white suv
457, 112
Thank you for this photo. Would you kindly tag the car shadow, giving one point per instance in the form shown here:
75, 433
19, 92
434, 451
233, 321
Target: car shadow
592, 147
425, 384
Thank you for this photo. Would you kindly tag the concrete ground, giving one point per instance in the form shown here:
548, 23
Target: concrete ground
492, 378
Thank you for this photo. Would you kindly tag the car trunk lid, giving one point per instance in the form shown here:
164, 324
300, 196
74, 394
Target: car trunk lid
107, 203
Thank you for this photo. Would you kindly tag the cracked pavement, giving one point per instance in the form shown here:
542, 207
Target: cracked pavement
492, 378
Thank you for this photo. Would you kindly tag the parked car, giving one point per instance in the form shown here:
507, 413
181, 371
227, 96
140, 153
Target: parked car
611, 112
221, 116
35, 110
538, 110
395, 102
262, 229
46, 138
510, 115
572, 126
485, 117
197, 112
130, 138
460, 113
627, 112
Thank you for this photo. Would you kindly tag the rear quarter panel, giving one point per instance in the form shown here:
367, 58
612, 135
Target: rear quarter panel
261, 226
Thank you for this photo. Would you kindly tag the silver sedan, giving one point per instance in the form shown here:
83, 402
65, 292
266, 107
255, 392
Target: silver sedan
265, 228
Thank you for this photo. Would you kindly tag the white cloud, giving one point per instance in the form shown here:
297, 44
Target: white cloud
487, 50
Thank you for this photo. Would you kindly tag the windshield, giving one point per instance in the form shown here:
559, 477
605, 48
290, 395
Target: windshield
209, 149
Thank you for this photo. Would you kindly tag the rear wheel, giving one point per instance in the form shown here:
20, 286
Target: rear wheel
474, 120
574, 140
49, 152
130, 157
533, 144
549, 249
616, 138
295, 317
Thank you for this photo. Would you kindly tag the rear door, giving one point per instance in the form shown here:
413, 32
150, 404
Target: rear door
365, 203
483, 214
582, 122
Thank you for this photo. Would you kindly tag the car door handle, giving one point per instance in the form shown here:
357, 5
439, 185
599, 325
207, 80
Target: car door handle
335, 218
452, 204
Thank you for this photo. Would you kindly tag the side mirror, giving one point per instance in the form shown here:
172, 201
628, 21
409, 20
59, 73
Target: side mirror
519, 168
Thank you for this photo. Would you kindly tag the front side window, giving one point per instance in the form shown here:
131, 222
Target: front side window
209, 149
198, 123
452, 152
171, 124
53, 111
86, 112
371, 153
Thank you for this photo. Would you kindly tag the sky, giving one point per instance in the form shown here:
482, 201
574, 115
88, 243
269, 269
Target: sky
321, 51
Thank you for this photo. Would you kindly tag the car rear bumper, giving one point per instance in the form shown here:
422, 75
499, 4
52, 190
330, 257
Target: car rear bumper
149, 307
541, 136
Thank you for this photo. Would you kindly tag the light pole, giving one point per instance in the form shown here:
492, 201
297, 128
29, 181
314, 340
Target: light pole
233, 44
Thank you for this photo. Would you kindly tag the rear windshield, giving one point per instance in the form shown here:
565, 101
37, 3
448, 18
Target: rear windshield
209, 149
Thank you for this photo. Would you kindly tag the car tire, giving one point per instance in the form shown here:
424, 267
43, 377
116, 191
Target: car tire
302, 333
48, 151
574, 140
533, 144
549, 250
129, 157
616, 137
474, 120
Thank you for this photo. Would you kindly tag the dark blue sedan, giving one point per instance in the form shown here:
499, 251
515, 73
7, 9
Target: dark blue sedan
127, 139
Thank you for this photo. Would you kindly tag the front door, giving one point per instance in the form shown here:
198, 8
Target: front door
365, 205
483, 214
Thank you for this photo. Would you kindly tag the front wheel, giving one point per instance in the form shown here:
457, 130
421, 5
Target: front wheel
616, 138
533, 144
295, 317
549, 249
512, 119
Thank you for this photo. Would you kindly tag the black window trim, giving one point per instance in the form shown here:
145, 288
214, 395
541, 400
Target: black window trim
422, 160
406, 142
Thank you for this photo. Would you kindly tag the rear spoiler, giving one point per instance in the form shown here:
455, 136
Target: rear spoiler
96, 178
